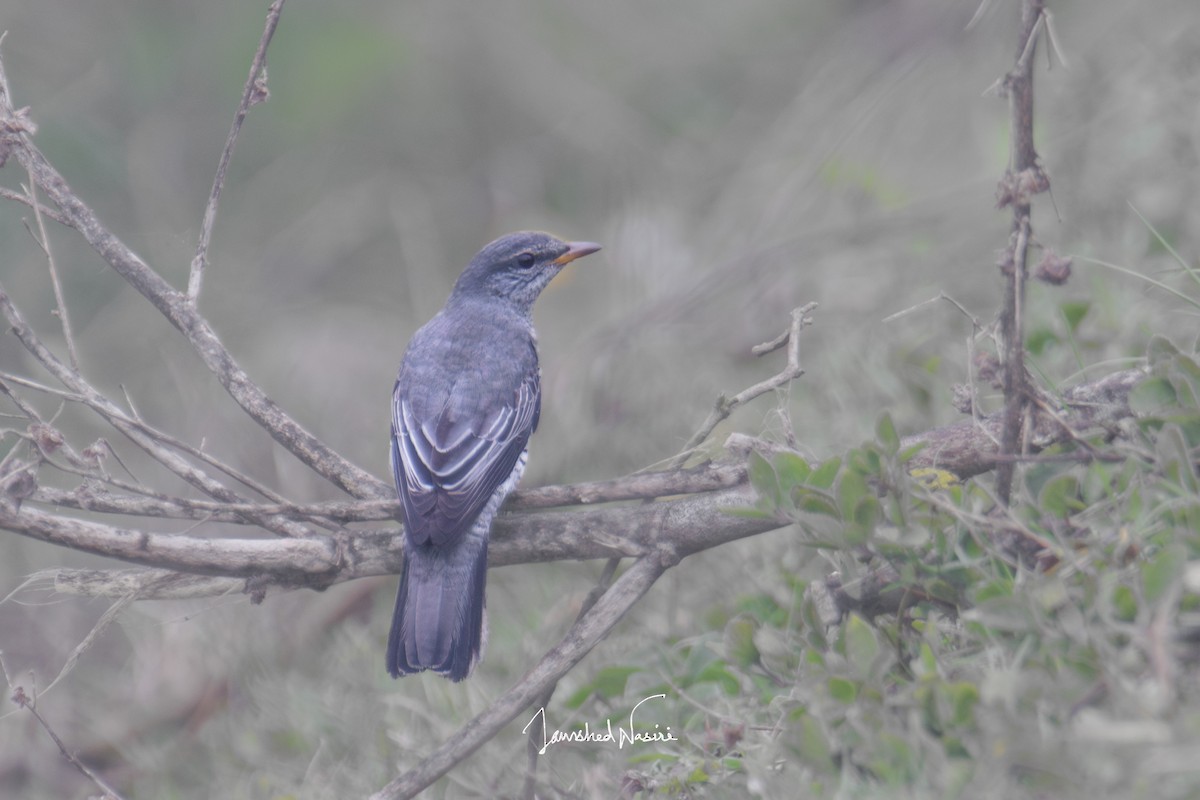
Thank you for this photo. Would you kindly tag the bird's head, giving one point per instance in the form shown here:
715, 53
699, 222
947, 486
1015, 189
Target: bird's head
518, 266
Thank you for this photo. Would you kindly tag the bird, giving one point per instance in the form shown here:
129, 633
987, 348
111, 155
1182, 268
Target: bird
466, 400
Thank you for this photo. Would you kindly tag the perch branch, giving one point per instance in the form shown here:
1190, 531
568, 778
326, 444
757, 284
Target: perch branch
690, 524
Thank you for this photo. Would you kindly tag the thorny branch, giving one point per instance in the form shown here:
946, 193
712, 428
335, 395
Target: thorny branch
1024, 178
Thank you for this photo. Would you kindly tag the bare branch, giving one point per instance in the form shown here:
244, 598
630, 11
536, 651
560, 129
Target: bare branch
532, 751
725, 406
9, 194
182, 314
44, 242
115, 417
139, 584
1024, 179
106, 410
254, 93
690, 524
25, 701
970, 447
705, 477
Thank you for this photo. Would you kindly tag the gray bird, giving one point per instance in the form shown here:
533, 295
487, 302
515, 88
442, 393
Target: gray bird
466, 401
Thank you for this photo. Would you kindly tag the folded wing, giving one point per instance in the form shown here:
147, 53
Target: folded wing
449, 459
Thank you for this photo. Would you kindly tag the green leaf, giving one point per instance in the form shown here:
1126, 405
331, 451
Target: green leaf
885, 433
608, 683
824, 475
851, 489
907, 453
928, 660
1162, 572
1060, 496
1073, 312
1124, 603
862, 644
815, 502
814, 749
739, 641
1038, 339
715, 672
964, 697
791, 470
763, 478
1152, 395
843, 690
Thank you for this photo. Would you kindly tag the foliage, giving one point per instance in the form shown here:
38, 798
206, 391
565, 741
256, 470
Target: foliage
1071, 680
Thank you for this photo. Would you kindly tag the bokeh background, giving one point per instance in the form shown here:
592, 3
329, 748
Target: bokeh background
735, 159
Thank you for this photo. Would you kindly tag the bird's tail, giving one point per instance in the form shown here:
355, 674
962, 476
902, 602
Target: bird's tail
440, 622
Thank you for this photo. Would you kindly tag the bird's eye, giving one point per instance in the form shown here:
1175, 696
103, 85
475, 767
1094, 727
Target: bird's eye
525, 260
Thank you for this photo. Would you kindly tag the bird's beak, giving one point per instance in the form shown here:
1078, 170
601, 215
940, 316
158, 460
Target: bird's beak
576, 250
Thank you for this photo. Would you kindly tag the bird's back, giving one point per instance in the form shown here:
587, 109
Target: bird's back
467, 399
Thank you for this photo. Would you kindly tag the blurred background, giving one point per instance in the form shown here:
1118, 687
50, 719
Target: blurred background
736, 160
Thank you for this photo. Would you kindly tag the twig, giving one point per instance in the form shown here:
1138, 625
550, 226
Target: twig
44, 242
254, 93
725, 406
183, 315
135, 420
970, 448
9, 194
975, 323
115, 417
583, 636
28, 703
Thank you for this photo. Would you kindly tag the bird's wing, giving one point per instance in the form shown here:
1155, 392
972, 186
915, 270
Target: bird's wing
448, 463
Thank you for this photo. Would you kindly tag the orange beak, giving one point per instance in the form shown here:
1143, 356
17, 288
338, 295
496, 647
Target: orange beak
576, 250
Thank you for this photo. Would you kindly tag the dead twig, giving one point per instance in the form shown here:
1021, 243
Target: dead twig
725, 405
29, 704
254, 93
43, 241
15, 138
